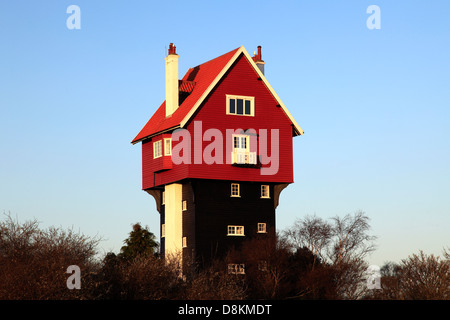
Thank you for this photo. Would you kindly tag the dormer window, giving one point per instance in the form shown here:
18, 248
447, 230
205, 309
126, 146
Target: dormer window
241, 105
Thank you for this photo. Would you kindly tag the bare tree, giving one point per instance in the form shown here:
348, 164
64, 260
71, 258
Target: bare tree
33, 262
342, 244
313, 233
424, 277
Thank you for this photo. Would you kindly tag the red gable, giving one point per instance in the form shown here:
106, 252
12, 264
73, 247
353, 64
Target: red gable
202, 75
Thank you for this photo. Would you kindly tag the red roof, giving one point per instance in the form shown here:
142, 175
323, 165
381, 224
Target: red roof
196, 80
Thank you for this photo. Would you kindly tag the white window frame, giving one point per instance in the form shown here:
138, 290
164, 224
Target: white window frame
234, 194
262, 227
157, 149
241, 138
245, 98
167, 150
235, 230
236, 268
184, 205
263, 195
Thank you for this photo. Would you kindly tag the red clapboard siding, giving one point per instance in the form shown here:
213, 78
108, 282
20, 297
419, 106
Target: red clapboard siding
241, 79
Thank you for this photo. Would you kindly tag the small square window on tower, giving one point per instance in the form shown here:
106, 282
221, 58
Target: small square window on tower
184, 205
184, 242
262, 227
235, 192
265, 191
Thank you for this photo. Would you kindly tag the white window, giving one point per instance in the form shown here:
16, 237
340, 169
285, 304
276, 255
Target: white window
236, 268
167, 146
235, 192
235, 230
184, 205
157, 149
241, 150
184, 242
163, 198
265, 191
262, 227
240, 105
240, 142
163, 230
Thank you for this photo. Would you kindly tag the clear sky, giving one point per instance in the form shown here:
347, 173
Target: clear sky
374, 105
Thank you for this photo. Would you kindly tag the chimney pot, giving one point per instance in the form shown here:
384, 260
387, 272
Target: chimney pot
172, 48
258, 60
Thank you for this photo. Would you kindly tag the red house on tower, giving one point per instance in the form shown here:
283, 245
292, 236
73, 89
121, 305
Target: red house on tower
216, 155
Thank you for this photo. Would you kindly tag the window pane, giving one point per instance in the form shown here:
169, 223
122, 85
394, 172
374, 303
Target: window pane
232, 106
243, 143
236, 142
168, 147
247, 107
240, 106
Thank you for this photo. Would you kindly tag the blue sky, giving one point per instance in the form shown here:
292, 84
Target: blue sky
374, 105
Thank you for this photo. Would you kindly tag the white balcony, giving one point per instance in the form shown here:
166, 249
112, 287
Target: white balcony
243, 157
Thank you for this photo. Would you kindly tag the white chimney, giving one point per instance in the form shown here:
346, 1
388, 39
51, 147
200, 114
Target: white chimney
171, 81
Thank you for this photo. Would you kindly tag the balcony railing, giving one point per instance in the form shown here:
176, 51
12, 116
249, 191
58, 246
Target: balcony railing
243, 157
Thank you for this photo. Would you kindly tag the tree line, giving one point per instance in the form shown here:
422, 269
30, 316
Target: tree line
312, 259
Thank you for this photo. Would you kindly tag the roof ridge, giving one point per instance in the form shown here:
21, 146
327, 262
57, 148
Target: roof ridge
211, 60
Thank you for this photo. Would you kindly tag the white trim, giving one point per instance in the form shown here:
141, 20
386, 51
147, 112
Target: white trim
297, 128
245, 98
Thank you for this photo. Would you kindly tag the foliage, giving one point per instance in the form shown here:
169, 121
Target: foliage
141, 242
314, 259
419, 277
339, 249
33, 262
